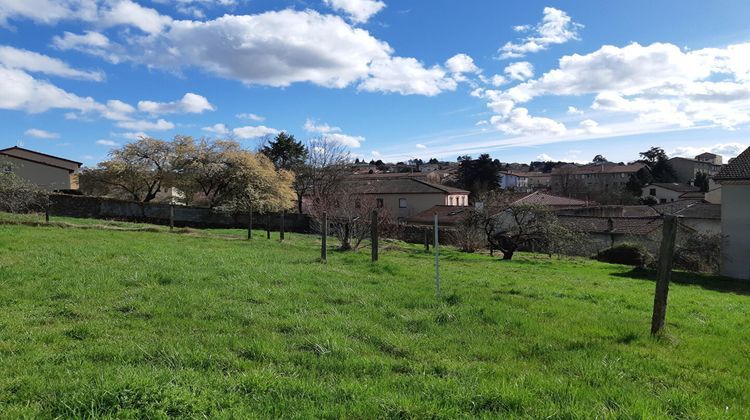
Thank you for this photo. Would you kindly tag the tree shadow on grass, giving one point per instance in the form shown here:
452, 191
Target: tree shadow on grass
706, 281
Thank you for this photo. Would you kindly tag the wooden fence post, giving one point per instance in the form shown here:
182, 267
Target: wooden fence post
324, 238
250, 225
281, 228
426, 239
268, 226
171, 216
374, 235
664, 273
436, 246
46, 214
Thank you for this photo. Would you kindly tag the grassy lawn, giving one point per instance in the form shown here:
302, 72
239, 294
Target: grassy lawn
150, 324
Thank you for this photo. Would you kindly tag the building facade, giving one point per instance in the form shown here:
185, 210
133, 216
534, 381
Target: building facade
591, 181
686, 169
735, 217
669, 192
45, 171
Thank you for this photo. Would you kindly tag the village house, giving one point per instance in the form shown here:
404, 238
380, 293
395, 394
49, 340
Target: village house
45, 171
686, 169
403, 197
524, 181
667, 192
735, 217
593, 180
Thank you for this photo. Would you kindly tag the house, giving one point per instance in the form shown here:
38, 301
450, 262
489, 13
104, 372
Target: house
667, 192
590, 181
524, 181
45, 171
686, 169
698, 215
735, 217
405, 197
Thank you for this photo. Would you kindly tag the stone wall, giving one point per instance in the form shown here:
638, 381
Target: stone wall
157, 213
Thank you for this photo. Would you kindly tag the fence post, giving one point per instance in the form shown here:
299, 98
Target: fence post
281, 229
436, 246
46, 214
268, 226
426, 239
664, 273
250, 225
374, 235
324, 238
171, 216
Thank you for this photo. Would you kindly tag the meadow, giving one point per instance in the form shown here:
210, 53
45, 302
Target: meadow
121, 320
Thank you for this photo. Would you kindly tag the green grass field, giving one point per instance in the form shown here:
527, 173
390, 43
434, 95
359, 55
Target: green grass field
98, 323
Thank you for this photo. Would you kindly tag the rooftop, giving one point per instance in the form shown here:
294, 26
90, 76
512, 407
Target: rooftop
675, 186
400, 185
605, 168
612, 225
737, 169
42, 158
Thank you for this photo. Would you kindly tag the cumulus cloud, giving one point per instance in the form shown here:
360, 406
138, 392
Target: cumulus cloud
41, 134
21, 91
217, 129
727, 150
253, 132
190, 103
461, 63
521, 70
358, 11
407, 76
544, 158
556, 27
89, 42
14, 58
143, 125
333, 134
590, 126
574, 111
108, 143
421, 146
518, 122
250, 116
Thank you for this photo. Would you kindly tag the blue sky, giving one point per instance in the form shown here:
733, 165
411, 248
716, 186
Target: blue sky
391, 79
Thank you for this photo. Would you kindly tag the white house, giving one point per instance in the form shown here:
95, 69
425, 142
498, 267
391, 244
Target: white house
666, 192
735, 217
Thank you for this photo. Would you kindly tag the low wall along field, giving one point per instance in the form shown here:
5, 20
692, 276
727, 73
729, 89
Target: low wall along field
158, 213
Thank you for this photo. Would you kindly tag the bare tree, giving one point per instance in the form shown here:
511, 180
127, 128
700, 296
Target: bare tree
19, 196
349, 210
325, 169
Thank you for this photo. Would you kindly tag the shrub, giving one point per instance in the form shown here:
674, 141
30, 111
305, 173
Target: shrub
20, 196
626, 254
699, 253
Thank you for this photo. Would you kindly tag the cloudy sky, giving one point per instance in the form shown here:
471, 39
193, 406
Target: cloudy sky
391, 79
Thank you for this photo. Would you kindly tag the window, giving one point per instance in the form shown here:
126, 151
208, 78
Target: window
652, 191
402, 203
379, 203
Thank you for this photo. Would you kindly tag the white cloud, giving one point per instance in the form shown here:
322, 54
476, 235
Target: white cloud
89, 42
20, 91
556, 27
253, 132
218, 129
406, 76
251, 116
133, 135
461, 63
188, 104
544, 158
41, 134
142, 125
498, 80
359, 11
574, 111
518, 122
726, 150
375, 154
30, 61
421, 146
591, 127
126, 12
521, 70
108, 143
333, 134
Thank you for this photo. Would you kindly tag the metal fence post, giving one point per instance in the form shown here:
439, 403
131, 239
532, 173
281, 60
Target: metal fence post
324, 238
374, 235
437, 257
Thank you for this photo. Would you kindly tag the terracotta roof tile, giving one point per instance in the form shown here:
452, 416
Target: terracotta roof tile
737, 169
